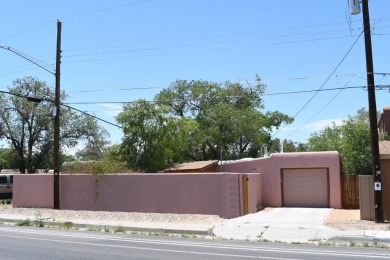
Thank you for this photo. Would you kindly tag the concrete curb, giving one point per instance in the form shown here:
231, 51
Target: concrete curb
113, 227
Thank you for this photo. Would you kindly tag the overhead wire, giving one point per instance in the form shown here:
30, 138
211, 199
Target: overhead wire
321, 109
326, 81
211, 98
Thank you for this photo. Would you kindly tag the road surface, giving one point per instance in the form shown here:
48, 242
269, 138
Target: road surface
44, 243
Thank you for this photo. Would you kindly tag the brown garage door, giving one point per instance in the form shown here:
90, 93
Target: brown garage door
305, 188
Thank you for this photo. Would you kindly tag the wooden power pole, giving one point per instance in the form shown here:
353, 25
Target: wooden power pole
56, 114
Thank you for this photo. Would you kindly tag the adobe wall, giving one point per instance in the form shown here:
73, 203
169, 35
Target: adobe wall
33, 191
189, 193
271, 173
385, 171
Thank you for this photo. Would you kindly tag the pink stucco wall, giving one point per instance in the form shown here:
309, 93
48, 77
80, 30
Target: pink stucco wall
33, 191
254, 192
271, 169
192, 193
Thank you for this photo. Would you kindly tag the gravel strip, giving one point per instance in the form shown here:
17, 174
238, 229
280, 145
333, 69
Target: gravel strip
125, 217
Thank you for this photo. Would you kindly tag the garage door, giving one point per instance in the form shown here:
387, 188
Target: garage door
305, 188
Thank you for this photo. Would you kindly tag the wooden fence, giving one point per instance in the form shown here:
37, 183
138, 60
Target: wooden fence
350, 191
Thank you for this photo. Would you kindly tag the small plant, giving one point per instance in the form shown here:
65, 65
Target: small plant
325, 243
184, 236
38, 222
383, 246
352, 244
66, 225
90, 229
24, 223
120, 229
106, 229
365, 244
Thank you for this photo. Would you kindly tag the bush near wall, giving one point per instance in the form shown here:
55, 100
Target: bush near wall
95, 167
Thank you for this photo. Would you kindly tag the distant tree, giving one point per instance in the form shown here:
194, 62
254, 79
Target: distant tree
351, 139
95, 147
28, 127
288, 146
8, 159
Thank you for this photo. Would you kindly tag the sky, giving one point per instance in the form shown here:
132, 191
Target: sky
125, 50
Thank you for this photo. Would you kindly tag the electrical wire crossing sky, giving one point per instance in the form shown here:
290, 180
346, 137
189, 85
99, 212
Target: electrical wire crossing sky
310, 54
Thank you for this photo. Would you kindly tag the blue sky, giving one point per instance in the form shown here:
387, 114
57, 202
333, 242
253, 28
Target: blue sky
120, 51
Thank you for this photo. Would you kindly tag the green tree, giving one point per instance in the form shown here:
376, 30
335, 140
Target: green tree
8, 159
28, 127
151, 137
288, 146
197, 120
351, 139
230, 122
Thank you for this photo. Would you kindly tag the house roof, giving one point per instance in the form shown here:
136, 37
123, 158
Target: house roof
384, 149
199, 165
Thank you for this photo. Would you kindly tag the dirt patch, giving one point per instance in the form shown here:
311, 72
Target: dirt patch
349, 219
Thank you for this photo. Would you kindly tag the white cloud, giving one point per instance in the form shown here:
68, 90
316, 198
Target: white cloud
320, 125
112, 109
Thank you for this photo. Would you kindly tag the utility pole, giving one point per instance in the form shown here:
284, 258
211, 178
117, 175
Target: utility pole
56, 114
375, 164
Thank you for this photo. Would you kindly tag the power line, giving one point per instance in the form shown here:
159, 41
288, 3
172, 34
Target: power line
73, 16
105, 9
111, 90
39, 100
97, 118
212, 98
326, 81
31, 59
319, 111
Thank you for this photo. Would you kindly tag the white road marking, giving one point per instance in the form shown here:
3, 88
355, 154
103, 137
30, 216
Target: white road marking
203, 245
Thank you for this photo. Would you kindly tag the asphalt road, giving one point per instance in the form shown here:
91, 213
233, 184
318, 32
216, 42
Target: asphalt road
43, 243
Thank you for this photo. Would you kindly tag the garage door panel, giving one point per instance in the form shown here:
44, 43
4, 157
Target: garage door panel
305, 188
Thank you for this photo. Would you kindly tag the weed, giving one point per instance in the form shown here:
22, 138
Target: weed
24, 223
184, 235
66, 225
365, 244
5, 202
352, 244
38, 222
383, 246
90, 229
119, 229
106, 229
325, 243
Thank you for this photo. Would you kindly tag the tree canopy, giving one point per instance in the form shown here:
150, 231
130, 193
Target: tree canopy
197, 120
351, 139
28, 127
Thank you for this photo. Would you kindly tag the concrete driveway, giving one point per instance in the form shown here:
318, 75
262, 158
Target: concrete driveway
293, 224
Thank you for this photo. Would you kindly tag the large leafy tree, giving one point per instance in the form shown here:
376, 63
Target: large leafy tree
151, 137
231, 124
28, 127
351, 139
198, 120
